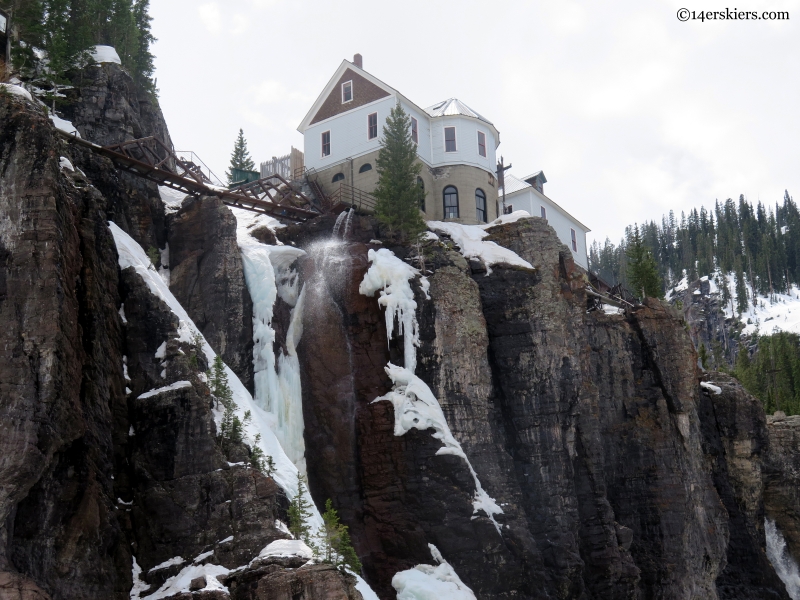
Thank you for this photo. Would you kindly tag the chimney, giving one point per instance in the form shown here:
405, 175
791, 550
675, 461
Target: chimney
358, 61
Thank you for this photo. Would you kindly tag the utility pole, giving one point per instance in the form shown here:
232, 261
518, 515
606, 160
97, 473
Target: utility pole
501, 180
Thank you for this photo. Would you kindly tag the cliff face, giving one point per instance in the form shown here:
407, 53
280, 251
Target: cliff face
618, 475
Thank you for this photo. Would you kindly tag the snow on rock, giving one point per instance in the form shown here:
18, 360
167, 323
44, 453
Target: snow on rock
277, 384
426, 582
470, 240
180, 583
175, 560
139, 586
16, 90
415, 407
286, 474
287, 548
64, 125
362, 586
711, 387
781, 559
428, 236
391, 276
509, 218
65, 163
173, 386
171, 199
202, 557
105, 54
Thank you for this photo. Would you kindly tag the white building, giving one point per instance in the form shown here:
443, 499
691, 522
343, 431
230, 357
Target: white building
528, 194
455, 144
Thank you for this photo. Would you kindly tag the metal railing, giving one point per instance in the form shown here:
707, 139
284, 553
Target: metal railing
191, 158
347, 194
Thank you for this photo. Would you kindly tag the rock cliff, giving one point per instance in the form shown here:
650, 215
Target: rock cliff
617, 473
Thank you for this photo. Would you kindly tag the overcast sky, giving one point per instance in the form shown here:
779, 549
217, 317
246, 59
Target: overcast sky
628, 111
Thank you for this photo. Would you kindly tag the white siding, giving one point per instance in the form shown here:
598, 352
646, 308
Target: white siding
466, 143
348, 135
529, 200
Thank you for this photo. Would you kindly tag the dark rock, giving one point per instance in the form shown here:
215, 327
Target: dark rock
782, 478
736, 441
264, 235
207, 278
315, 582
197, 584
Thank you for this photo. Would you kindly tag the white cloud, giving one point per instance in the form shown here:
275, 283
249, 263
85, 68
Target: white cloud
211, 16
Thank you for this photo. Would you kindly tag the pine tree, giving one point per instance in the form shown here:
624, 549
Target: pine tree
642, 269
337, 548
300, 513
397, 192
240, 158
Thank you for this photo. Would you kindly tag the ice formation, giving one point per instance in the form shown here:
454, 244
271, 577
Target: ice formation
470, 241
415, 407
391, 277
785, 565
426, 582
267, 271
715, 389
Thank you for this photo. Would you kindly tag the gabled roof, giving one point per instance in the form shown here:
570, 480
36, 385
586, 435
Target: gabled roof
326, 91
514, 185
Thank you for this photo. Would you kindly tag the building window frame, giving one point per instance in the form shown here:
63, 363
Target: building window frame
574, 237
347, 87
325, 139
454, 140
338, 177
482, 144
451, 210
372, 126
414, 130
365, 167
543, 212
421, 185
480, 212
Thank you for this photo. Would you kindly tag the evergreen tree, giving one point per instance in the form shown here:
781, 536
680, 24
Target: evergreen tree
397, 192
300, 513
240, 158
337, 549
642, 269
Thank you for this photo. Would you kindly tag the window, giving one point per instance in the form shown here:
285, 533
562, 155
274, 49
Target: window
574, 240
480, 205
365, 167
508, 209
450, 202
421, 185
347, 91
3, 24
414, 131
544, 212
449, 139
372, 126
337, 177
326, 143
481, 143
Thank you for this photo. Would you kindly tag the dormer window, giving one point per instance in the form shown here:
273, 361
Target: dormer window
347, 91
449, 139
414, 131
481, 143
372, 126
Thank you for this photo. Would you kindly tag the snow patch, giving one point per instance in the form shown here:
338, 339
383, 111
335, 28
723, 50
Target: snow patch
391, 276
176, 560
64, 125
711, 387
173, 386
180, 583
105, 54
161, 351
470, 241
287, 548
226, 540
171, 199
509, 218
139, 586
122, 314
785, 566
64, 163
415, 407
202, 557
16, 90
426, 582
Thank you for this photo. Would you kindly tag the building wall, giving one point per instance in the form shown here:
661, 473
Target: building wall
531, 201
465, 178
364, 92
466, 142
